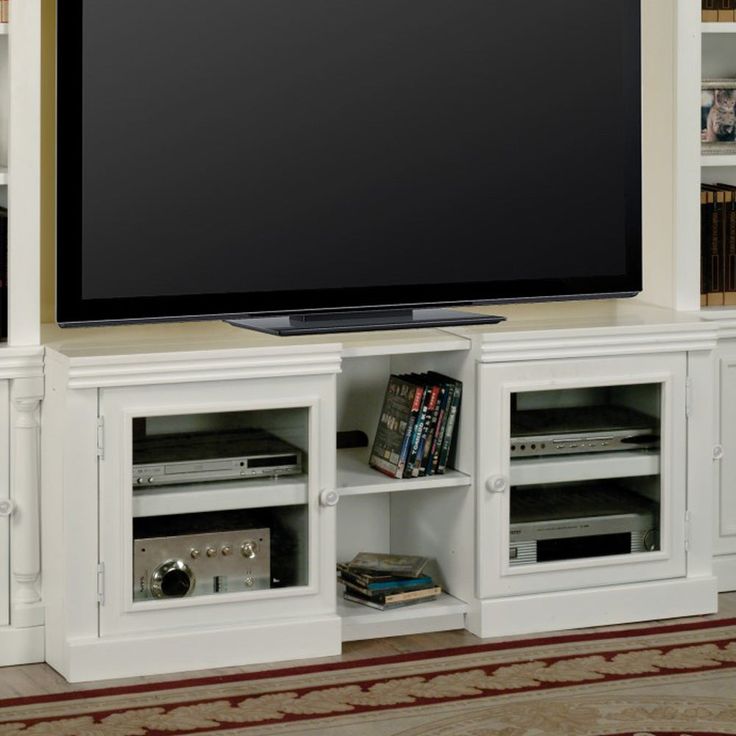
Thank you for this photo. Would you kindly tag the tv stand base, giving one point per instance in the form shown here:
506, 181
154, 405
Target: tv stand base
362, 321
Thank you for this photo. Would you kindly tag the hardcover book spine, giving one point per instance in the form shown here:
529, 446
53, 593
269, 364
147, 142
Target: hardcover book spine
704, 247
725, 11
709, 11
715, 287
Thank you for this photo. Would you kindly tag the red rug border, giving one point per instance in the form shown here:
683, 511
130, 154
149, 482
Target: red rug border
369, 661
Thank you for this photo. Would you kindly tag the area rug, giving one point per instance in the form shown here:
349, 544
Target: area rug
664, 680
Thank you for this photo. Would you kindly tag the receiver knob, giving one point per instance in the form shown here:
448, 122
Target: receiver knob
172, 579
248, 549
211, 552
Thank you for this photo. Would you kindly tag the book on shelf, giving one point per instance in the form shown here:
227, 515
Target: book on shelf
4, 10
417, 424
372, 563
398, 601
381, 587
725, 10
718, 245
729, 246
717, 11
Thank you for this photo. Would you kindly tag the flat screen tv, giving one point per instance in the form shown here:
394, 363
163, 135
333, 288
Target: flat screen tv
235, 158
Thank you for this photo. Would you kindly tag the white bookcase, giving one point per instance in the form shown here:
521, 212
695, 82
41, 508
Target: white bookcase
21, 357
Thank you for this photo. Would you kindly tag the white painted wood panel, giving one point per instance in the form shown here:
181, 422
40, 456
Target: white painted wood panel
4, 497
24, 161
725, 505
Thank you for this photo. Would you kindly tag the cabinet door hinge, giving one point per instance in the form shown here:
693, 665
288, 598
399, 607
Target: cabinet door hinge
688, 396
101, 438
101, 583
688, 518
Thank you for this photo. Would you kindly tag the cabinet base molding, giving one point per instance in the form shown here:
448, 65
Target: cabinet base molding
179, 651
724, 568
21, 645
577, 609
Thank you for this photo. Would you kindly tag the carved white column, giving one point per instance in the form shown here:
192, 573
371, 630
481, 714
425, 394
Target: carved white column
25, 532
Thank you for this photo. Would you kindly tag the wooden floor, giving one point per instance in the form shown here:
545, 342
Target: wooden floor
40, 679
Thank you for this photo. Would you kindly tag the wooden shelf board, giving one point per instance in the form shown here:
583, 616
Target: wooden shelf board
362, 622
718, 312
355, 477
718, 27
4, 29
718, 159
221, 496
590, 466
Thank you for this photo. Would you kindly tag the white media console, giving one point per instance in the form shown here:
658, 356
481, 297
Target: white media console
81, 390
208, 375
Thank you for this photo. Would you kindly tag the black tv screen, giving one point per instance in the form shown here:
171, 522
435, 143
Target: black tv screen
235, 157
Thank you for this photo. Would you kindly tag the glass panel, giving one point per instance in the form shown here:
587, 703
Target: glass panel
220, 503
585, 473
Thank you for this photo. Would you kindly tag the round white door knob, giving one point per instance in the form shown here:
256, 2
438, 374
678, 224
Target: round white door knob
496, 484
329, 498
7, 507
718, 452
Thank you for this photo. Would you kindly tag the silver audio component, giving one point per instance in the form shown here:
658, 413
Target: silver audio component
201, 564
573, 430
199, 457
590, 519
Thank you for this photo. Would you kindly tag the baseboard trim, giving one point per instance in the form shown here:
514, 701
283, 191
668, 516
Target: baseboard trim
163, 652
576, 609
724, 568
21, 645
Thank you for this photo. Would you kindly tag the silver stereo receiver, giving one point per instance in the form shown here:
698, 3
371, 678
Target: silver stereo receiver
552, 522
198, 457
201, 564
568, 430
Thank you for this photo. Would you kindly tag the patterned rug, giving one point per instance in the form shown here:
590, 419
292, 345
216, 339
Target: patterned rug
672, 680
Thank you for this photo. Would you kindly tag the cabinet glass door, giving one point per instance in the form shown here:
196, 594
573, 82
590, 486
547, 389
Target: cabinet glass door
589, 481
210, 502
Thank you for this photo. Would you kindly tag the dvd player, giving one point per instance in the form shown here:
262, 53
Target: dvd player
198, 457
568, 430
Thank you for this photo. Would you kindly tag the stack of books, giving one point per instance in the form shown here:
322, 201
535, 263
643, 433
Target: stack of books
386, 581
718, 11
718, 245
416, 428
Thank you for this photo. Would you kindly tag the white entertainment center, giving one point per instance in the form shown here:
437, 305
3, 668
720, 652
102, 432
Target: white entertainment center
71, 399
